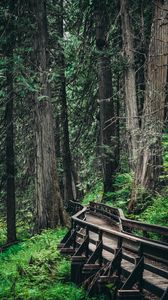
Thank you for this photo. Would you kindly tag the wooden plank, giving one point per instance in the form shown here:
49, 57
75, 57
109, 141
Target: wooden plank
153, 251
95, 278
107, 279
115, 265
71, 239
129, 295
129, 292
128, 258
76, 269
106, 207
156, 270
145, 227
145, 238
83, 247
165, 295
156, 252
89, 270
147, 285
135, 275
126, 237
96, 254
108, 249
111, 216
90, 267
67, 251
152, 288
80, 234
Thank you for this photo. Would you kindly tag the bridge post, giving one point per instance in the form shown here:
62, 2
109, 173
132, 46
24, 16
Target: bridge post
87, 246
118, 254
106, 286
100, 241
77, 264
140, 257
119, 243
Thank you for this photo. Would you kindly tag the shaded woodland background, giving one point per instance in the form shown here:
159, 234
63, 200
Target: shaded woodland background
83, 110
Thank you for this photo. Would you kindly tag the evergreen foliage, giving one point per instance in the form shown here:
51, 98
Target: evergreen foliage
78, 45
82, 46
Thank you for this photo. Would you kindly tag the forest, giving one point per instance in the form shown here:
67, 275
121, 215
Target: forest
83, 118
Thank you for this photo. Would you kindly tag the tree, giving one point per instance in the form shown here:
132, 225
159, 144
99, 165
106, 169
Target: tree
132, 121
149, 163
107, 114
49, 206
66, 152
10, 157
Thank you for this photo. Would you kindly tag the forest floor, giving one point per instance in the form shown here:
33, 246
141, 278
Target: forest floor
35, 270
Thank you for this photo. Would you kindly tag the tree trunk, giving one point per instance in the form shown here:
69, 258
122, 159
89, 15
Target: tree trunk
107, 114
49, 206
130, 85
66, 153
150, 152
10, 158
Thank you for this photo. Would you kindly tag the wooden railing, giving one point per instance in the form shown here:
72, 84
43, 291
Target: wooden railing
101, 255
128, 225
74, 206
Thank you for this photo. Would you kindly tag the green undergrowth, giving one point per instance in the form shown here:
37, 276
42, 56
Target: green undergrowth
23, 231
35, 270
94, 195
24, 226
118, 198
2, 232
122, 191
157, 211
164, 176
152, 209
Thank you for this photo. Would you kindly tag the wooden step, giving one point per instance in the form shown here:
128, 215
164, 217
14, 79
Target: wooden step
67, 251
129, 294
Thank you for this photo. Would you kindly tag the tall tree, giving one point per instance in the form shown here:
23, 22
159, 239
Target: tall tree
107, 113
10, 158
150, 153
132, 121
66, 152
49, 206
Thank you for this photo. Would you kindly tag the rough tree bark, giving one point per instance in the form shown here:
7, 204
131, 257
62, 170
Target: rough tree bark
107, 114
49, 206
132, 121
10, 157
150, 153
66, 152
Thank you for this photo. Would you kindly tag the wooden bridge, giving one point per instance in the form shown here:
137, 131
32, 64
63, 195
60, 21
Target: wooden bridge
116, 256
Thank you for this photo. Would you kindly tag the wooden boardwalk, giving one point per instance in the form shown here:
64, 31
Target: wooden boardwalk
104, 252
112, 243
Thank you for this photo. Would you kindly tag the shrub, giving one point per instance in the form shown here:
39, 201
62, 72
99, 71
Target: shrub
121, 195
157, 212
94, 195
